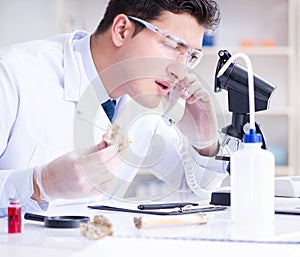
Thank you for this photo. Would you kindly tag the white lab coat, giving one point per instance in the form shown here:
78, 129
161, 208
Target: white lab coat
41, 83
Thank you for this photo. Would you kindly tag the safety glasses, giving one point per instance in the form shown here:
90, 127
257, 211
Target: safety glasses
184, 53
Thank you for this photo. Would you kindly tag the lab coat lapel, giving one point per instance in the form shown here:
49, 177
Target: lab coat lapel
90, 120
72, 79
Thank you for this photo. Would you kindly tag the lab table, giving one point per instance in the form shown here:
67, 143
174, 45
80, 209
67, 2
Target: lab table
218, 237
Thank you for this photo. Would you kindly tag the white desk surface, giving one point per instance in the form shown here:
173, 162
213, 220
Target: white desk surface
216, 238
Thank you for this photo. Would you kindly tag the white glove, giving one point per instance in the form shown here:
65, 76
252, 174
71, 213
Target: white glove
199, 122
70, 176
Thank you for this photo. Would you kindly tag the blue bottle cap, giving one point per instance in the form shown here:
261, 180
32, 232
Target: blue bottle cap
252, 137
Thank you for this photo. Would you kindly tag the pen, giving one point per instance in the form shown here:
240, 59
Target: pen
164, 205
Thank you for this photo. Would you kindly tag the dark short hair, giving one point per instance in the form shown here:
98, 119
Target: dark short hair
206, 12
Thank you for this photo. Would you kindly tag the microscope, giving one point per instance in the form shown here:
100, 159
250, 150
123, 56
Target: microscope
235, 81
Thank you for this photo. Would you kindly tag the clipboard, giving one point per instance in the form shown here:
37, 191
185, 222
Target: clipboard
158, 212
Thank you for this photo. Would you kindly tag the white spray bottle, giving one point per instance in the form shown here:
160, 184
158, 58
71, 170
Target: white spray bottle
252, 170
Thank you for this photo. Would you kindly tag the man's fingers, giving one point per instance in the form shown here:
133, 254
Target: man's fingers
107, 153
202, 94
92, 149
101, 145
99, 157
193, 90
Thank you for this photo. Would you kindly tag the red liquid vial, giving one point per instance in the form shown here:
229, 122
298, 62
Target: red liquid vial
14, 216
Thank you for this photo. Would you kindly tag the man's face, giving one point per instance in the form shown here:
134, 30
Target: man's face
152, 63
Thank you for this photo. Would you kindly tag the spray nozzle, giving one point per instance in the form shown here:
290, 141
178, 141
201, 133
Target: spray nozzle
252, 137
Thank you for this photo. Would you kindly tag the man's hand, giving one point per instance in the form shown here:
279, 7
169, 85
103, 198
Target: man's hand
68, 176
199, 122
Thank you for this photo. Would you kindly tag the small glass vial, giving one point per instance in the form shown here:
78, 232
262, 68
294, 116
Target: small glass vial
14, 216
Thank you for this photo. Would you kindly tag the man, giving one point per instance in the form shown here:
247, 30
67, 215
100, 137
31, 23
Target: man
47, 147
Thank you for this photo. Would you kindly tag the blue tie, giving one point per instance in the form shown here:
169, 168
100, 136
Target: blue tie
109, 108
